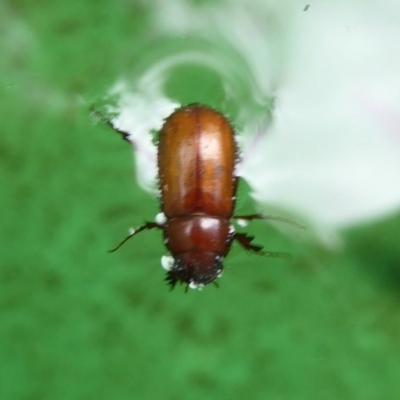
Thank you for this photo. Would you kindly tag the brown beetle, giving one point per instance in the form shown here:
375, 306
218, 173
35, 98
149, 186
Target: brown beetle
197, 155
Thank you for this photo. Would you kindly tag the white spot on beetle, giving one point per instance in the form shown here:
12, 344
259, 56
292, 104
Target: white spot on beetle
197, 286
167, 262
242, 222
160, 219
208, 222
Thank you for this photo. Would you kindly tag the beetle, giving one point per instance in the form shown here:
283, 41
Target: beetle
197, 156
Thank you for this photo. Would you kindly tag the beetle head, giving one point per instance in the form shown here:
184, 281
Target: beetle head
195, 268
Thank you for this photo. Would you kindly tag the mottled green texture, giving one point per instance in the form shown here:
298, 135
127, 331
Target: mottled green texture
77, 323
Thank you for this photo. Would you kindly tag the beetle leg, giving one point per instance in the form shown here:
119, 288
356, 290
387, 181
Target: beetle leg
270, 217
147, 225
125, 135
216, 284
245, 241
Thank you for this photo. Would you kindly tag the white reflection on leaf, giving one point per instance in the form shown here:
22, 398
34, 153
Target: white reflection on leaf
332, 151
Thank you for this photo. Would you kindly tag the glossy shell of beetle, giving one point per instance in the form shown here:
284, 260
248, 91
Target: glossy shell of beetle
197, 156
196, 159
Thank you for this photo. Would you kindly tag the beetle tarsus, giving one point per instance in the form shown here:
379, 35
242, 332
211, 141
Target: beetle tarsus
277, 254
147, 225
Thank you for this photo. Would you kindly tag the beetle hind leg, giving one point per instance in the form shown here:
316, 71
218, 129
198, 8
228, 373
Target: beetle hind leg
252, 217
245, 241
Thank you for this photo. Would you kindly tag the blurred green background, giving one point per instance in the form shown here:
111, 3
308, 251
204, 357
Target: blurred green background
78, 323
